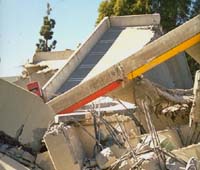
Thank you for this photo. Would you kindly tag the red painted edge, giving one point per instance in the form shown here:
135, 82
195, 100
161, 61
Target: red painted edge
91, 97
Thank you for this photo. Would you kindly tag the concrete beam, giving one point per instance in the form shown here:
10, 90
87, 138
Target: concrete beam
194, 52
160, 50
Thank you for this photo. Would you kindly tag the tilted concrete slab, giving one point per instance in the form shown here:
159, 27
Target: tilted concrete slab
156, 52
23, 114
129, 41
93, 49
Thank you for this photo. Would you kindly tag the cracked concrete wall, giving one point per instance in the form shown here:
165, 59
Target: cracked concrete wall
23, 115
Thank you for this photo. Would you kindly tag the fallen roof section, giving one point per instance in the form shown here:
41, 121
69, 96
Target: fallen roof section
156, 52
98, 44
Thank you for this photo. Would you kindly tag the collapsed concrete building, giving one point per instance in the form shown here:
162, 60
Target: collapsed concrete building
72, 130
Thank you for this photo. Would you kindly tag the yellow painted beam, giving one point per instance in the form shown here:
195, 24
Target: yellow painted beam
167, 55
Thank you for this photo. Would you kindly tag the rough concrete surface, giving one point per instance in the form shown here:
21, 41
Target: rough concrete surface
64, 148
23, 115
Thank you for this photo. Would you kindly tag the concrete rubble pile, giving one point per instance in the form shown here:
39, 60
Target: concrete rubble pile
116, 146
100, 135
134, 128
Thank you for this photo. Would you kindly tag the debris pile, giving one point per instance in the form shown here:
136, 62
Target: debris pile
158, 130
12, 148
114, 146
108, 134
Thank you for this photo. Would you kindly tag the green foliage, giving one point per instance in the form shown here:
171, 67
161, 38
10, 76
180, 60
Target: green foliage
105, 9
172, 12
196, 8
122, 7
46, 33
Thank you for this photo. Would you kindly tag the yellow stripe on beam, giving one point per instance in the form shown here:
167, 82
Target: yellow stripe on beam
169, 54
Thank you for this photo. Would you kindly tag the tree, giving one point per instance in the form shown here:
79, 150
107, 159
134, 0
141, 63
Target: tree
122, 7
195, 8
173, 12
105, 9
46, 33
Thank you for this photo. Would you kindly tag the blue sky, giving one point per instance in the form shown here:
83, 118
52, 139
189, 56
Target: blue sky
20, 22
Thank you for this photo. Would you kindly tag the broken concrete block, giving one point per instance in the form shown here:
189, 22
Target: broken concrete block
7, 163
64, 147
24, 115
105, 158
43, 160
